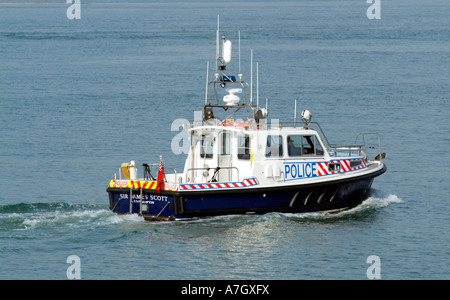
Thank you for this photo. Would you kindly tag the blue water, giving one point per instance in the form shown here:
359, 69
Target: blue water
79, 97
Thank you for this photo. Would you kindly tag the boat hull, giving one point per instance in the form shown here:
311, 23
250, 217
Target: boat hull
168, 205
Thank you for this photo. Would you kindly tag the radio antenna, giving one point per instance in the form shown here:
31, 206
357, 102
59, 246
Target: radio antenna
251, 77
217, 41
239, 39
206, 90
257, 84
295, 112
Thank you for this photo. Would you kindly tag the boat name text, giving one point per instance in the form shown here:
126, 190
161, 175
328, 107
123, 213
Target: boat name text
137, 197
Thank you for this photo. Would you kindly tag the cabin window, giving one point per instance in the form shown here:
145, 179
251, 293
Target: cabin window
243, 147
274, 147
294, 143
302, 145
355, 163
311, 145
225, 143
207, 147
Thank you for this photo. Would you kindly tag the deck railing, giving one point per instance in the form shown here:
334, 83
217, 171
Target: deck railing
149, 172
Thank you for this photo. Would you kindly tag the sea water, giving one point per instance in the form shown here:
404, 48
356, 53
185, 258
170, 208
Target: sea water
80, 96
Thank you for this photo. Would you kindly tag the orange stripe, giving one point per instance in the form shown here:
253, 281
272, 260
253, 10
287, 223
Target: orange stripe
150, 185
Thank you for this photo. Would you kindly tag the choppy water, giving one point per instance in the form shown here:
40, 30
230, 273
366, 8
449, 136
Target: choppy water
78, 97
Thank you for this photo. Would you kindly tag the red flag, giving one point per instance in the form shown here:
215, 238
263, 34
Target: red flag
160, 179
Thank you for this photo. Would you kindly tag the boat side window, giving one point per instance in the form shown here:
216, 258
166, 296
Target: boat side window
303, 145
274, 147
243, 147
355, 163
207, 147
311, 145
294, 143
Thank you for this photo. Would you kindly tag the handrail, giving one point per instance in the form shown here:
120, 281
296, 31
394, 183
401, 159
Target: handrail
148, 171
216, 170
344, 148
363, 135
352, 149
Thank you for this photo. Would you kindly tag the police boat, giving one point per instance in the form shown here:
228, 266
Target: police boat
246, 165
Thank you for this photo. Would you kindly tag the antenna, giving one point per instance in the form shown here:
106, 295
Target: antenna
217, 41
251, 77
267, 109
295, 112
239, 39
257, 84
206, 90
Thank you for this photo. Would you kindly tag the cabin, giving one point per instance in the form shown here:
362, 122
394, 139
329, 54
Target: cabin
232, 151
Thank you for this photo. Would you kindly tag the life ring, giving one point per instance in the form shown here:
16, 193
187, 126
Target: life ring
247, 124
227, 124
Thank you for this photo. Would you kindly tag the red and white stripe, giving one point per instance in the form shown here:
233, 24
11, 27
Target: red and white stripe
221, 185
322, 169
345, 166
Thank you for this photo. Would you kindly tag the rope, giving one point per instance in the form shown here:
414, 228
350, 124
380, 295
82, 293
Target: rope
163, 209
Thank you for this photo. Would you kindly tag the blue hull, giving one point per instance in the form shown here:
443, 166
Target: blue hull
188, 204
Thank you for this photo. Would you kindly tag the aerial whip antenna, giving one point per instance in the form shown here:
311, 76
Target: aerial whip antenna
217, 41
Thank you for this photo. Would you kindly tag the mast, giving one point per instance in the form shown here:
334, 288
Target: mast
224, 89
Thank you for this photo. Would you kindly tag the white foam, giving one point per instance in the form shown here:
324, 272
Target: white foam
76, 219
380, 202
373, 202
92, 218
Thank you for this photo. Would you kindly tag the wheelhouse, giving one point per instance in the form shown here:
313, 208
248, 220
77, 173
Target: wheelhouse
231, 153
